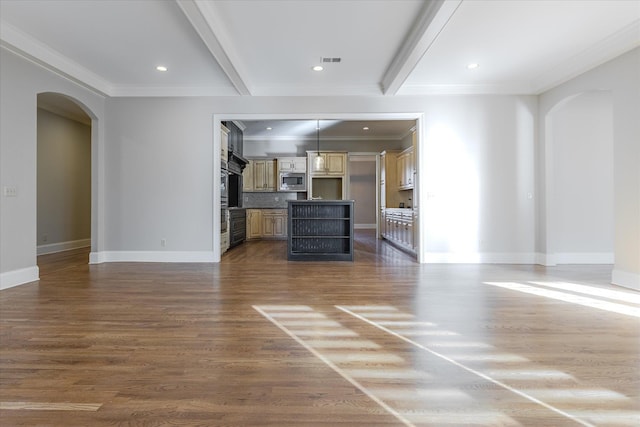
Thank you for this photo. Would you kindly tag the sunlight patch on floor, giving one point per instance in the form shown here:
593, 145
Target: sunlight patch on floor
626, 297
570, 298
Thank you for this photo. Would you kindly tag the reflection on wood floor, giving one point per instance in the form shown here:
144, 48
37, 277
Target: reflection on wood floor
260, 341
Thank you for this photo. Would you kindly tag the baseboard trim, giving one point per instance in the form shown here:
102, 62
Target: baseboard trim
584, 258
150, 256
547, 260
626, 279
63, 246
19, 277
479, 258
550, 260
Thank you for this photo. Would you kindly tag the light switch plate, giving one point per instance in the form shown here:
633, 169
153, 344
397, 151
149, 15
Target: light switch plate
10, 191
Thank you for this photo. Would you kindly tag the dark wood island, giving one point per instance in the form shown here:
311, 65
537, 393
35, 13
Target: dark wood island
320, 230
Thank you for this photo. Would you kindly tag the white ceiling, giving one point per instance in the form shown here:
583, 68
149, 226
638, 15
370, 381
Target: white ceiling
268, 47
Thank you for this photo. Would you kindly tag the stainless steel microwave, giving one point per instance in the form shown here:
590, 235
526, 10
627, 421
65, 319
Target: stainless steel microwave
292, 181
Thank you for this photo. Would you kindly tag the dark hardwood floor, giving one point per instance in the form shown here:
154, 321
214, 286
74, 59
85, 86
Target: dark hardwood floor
260, 341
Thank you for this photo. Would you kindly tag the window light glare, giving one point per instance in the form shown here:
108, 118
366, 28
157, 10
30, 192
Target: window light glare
161, 68
318, 68
472, 66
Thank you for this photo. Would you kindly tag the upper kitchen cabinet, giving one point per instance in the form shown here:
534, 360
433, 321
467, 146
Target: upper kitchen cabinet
259, 175
235, 138
335, 163
224, 143
330, 181
292, 164
405, 168
389, 196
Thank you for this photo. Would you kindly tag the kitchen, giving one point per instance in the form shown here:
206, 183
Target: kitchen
278, 160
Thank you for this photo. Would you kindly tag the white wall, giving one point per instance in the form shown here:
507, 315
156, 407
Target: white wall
155, 161
582, 152
63, 183
477, 194
620, 77
21, 81
159, 178
160, 168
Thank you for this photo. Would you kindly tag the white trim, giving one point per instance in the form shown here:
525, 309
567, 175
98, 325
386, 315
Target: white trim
626, 279
63, 246
26, 46
207, 23
584, 258
430, 22
21, 276
479, 258
605, 50
150, 256
548, 260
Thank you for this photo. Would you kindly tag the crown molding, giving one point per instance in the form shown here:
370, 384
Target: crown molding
29, 48
513, 88
615, 45
171, 91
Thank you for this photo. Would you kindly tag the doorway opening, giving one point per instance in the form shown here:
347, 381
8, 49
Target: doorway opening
64, 132
262, 144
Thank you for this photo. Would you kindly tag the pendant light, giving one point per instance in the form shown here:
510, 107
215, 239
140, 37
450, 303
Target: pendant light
318, 162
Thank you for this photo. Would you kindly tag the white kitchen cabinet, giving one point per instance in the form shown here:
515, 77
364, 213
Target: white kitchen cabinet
399, 228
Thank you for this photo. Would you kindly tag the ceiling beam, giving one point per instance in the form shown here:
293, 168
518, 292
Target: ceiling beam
430, 22
210, 27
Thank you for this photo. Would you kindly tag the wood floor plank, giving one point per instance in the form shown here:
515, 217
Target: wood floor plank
182, 344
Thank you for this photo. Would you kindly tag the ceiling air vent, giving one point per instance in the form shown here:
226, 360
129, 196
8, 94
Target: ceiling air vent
330, 59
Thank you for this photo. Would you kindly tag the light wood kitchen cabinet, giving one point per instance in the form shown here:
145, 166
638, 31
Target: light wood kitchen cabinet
266, 223
330, 182
292, 164
247, 177
259, 175
389, 196
335, 163
254, 223
274, 223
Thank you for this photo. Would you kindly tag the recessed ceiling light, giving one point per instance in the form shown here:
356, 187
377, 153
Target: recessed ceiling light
365, 128
473, 66
269, 128
161, 68
318, 68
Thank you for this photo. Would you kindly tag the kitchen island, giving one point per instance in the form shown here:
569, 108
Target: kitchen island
320, 230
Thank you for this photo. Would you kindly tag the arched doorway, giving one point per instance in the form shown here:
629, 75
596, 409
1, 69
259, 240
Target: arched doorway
579, 176
64, 133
